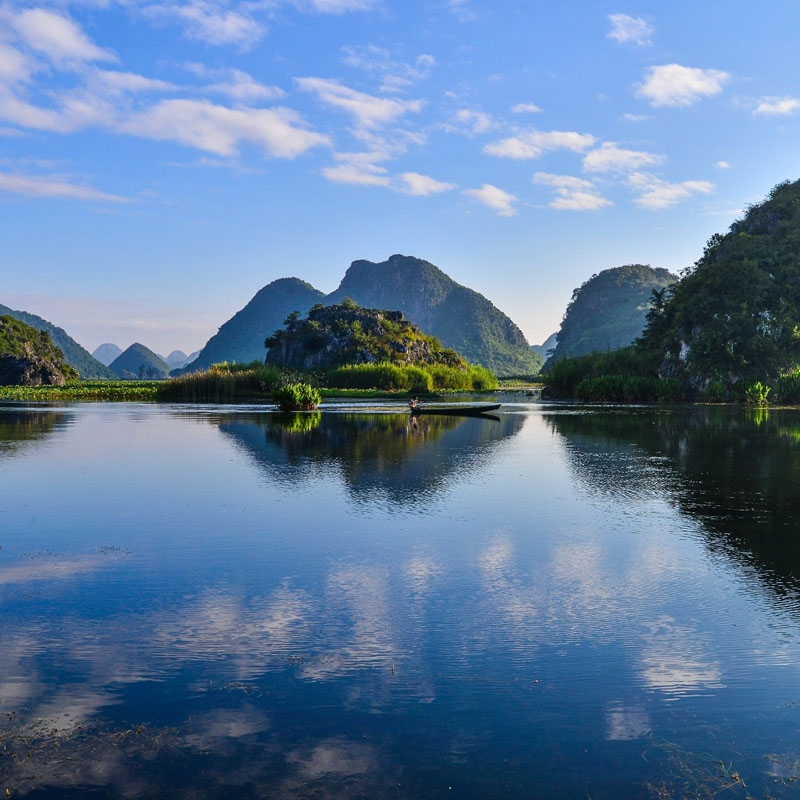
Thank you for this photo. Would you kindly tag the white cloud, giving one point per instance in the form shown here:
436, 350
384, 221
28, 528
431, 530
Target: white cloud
244, 87
675, 85
369, 111
579, 201
494, 197
57, 36
423, 185
339, 6
357, 174
656, 194
534, 143
572, 194
54, 188
609, 157
636, 117
218, 129
525, 108
629, 29
396, 76
722, 165
115, 82
773, 106
472, 121
15, 66
462, 10
211, 22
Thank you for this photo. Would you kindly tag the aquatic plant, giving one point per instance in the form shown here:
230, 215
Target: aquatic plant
629, 389
756, 394
394, 377
297, 397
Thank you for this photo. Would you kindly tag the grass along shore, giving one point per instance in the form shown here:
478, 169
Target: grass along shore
256, 383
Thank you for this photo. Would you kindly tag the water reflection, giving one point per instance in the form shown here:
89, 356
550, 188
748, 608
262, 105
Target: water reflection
20, 428
262, 628
735, 471
405, 460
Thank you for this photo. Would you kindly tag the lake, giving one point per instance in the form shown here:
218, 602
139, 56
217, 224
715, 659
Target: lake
563, 602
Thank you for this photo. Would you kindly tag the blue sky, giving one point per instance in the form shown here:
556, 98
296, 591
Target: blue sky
160, 161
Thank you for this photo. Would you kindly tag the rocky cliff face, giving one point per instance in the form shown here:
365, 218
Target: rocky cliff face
462, 318
344, 334
32, 371
28, 357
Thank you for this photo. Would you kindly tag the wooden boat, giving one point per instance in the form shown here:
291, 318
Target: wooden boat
455, 410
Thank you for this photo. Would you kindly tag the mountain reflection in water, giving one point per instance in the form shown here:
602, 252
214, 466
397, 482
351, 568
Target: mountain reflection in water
568, 602
405, 460
736, 471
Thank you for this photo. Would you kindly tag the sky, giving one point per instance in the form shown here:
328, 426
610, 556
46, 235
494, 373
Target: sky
162, 161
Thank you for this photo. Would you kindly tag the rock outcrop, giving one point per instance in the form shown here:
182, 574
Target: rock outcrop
348, 334
29, 358
31, 371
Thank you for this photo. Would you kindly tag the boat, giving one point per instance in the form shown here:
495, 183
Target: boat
456, 410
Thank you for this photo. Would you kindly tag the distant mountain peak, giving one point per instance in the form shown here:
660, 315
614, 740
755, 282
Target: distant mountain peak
139, 361
106, 352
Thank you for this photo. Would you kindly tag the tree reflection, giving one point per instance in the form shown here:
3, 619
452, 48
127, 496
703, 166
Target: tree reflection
734, 470
400, 457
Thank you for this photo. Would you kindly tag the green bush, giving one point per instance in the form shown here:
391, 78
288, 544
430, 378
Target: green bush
389, 377
297, 397
450, 378
482, 379
787, 388
565, 374
756, 394
629, 389
222, 383
715, 392
404, 378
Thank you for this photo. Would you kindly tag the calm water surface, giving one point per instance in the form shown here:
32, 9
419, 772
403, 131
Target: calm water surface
560, 603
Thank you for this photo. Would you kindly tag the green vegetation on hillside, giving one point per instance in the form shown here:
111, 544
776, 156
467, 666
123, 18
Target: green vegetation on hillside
349, 334
241, 338
76, 356
728, 330
139, 362
734, 316
609, 310
461, 318
23, 342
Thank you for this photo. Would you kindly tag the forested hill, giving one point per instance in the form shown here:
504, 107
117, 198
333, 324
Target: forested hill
241, 338
460, 317
74, 355
140, 362
736, 314
608, 311
463, 319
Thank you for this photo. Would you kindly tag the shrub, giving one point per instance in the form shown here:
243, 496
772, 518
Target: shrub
565, 374
629, 389
756, 394
482, 378
405, 378
451, 378
222, 383
715, 392
389, 377
788, 388
297, 397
